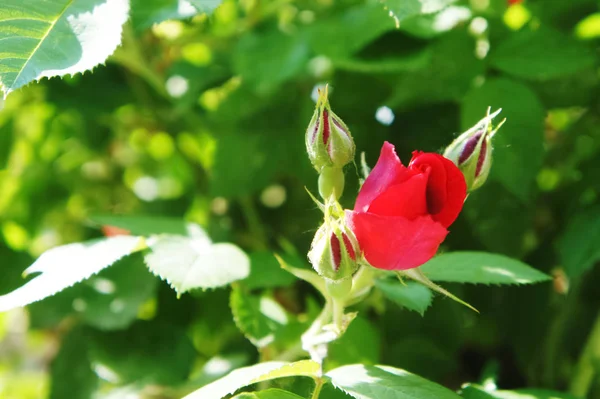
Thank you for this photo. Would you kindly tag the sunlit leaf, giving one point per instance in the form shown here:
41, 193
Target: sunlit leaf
273, 393
188, 263
56, 37
471, 391
481, 268
383, 382
258, 317
235, 380
61, 267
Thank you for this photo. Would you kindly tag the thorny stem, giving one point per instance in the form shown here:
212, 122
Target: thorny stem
590, 357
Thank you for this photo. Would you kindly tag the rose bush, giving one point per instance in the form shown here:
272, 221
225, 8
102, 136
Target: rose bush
402, 213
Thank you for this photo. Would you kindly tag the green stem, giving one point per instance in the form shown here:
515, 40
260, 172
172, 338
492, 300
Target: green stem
585, 370
338, 314
318, 386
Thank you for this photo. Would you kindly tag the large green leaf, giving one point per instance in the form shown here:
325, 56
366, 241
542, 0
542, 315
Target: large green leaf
384, 382
61, 267
268, 394
541, 54
258, 317
481, 268
578, 247
249, 375
56, 37
471, 391
411, 295
187, 263
518, 146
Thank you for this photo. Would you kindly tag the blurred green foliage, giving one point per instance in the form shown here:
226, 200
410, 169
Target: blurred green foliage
202, 117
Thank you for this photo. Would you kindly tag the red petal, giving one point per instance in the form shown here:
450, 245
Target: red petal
396, 243
387, 172
446, 188
407, 199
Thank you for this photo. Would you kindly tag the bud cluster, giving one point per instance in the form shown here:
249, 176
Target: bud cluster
330, 147
472, 151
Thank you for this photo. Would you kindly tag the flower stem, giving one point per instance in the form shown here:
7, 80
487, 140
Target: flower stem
338, 314
585, 370
318, 386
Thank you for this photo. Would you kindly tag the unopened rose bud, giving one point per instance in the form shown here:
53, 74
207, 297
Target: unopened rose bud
472, 151
328, 139
333, 252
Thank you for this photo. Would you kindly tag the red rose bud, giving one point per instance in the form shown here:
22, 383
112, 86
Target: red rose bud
328, 139
402, 213
472, 151
333, 252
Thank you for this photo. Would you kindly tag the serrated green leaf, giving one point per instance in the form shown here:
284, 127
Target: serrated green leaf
481, 268
471, 391
143, 225
85, 31
578, 247
188, 263
273, 393
61, 267
258, 317
235, 380
541, 54
384, 382
411, 295
519, 143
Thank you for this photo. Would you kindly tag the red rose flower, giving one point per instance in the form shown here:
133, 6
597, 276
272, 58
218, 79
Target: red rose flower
401, 213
